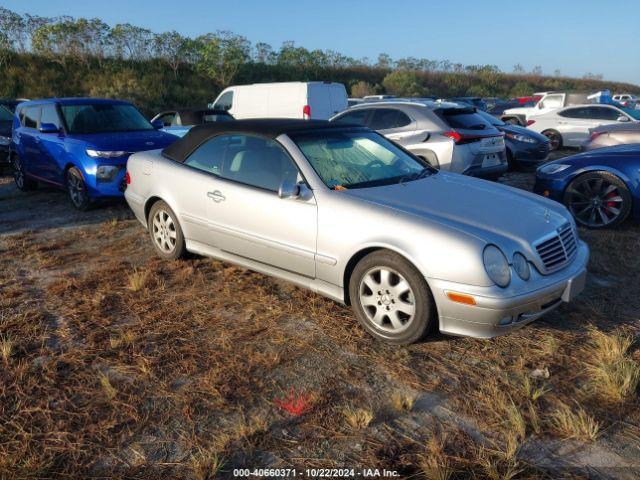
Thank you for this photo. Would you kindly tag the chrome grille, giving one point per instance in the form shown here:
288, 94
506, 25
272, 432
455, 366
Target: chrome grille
557, 251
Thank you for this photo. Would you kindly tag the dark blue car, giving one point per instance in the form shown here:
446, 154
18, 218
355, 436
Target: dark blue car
601, 187
79, 144
524, 146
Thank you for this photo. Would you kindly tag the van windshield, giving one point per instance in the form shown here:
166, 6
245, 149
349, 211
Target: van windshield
346, 159
103, 118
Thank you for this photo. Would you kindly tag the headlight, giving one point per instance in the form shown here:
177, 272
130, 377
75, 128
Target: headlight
521, 266
497, 266
106, 173
521, 138
553, 168
5, 140
106, 154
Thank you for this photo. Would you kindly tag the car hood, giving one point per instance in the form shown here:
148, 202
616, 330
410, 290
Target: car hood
127, 141
518, 111
625, 151
478, 207
517, 130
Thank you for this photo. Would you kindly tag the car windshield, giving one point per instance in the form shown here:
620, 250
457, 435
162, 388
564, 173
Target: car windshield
490, 118
635, 114
347, 159
103, 118
5, 115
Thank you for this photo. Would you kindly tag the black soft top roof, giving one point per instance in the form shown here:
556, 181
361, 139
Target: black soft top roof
272, 128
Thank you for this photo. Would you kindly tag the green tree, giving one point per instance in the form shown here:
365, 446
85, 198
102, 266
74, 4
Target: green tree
361, 89
130, 41
404, 84
171, 47
219, 56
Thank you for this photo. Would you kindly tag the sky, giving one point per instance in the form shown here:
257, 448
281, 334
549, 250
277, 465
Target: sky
574, 36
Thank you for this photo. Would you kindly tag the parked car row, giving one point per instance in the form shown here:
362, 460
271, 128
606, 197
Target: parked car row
269, 194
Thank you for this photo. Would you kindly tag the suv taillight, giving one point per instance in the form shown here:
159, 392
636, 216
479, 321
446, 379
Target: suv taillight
127, 178
306, 112
453, 135
530, 122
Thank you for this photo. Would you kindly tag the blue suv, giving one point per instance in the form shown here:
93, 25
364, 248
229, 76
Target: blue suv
80, 144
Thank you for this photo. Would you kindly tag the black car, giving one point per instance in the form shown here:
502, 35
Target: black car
6, 123
524, 146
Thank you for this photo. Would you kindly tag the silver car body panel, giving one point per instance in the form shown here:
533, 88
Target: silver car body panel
424, 137
441, 224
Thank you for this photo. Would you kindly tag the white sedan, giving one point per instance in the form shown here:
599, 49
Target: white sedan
569, 126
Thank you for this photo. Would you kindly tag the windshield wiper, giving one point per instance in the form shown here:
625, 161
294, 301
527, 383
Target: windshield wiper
417, 176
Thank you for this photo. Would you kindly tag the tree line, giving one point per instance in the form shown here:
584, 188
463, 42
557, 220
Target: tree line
66, 56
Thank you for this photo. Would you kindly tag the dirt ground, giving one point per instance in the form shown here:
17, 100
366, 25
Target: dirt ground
116, 364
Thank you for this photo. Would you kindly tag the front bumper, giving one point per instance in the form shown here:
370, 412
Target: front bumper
530, 153
495, 315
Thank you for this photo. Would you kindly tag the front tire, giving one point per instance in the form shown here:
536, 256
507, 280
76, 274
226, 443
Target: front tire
598, 200
20, 178
555, 139
165, 231
391, 299
77, 189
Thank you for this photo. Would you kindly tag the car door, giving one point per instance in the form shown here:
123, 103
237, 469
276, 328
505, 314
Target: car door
573, 124
606, 115
29, 150
203, 167
50, 146
354, 116
392, 123
247, 217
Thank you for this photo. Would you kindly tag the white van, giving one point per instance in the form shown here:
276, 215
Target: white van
316, 100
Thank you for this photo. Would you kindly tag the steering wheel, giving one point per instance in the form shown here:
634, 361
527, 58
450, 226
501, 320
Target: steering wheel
376, 162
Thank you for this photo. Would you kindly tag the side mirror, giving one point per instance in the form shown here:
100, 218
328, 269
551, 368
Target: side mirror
623, 118
48, 128
289, 189
158, 124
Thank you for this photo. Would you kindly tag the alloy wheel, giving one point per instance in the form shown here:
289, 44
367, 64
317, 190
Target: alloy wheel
387, 299
76, 188
595, 202
164, 231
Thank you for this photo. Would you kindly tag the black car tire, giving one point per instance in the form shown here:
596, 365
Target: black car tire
575, 199
77, 189
167, 239
424, 317
21, 180
555, 139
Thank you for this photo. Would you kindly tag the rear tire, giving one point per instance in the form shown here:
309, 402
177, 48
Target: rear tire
555, 139
20, 178
391, 298
165, 232
77, 189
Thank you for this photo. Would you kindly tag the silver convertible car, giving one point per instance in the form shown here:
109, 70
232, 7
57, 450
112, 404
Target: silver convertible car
345, 212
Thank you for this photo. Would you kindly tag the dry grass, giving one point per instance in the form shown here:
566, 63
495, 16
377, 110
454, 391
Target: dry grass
138, 280
103, 382
402, 401
357, 418
614, 375
205, 464
6, 347
574, 423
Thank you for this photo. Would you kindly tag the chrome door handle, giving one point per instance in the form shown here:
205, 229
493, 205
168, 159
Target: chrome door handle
216, 196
